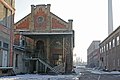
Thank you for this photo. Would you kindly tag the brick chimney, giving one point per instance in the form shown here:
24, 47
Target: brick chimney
70, 21
48, 7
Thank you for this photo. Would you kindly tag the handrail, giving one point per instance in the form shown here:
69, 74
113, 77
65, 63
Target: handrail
44, 63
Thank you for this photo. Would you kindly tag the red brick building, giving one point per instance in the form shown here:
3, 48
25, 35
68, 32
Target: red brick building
43, 42
93, 54
6, 35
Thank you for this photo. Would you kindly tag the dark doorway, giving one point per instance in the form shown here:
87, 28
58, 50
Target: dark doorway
41, 54
39, 44
40, 49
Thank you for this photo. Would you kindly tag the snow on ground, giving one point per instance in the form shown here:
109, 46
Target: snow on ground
103, 72
39, 77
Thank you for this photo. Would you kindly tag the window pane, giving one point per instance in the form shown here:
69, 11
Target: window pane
0, 44
106, 46
109, 45
5, 45
104, 49
113, 42
16, 61
118, 40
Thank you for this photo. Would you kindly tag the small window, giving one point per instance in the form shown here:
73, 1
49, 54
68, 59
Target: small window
109, 45
5, 45
117, 40
0, 44
104, 48
118, 62
113, 42
100, 50
113, 62
16, 61
102, 59
6, 15
22, 41
26, 64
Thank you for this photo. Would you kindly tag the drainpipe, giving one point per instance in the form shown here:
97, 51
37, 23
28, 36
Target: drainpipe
11, 39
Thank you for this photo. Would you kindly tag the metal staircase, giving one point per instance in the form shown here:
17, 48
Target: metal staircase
56, 69
47, 65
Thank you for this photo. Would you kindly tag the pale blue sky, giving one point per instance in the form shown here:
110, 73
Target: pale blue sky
89, 18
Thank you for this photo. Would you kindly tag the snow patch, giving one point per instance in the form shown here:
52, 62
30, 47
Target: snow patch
39, 77
103, 72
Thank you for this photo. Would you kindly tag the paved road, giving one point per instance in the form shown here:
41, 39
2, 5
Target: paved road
82, 74
90, 76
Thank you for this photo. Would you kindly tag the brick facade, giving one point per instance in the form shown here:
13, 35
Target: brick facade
93, 55
45, 36
6, 34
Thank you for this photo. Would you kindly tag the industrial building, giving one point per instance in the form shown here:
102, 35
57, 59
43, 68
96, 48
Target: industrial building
110, 51
93, 54
6, 35
43, 42
110, 48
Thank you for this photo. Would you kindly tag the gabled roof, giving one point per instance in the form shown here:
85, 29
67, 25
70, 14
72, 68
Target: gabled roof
30, 14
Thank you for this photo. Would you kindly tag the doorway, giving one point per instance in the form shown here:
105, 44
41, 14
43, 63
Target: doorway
41, 54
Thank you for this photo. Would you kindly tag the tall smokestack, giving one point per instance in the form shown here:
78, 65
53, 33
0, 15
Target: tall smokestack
110, 17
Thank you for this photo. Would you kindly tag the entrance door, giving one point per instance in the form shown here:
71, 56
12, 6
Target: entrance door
41, 55
4, 58
40, 49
